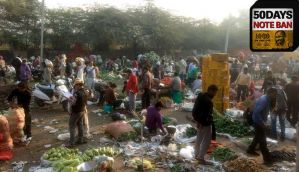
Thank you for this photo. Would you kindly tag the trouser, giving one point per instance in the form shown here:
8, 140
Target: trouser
25, 81
76, 121
116, 103
90, 83
190, 82
146, 98
132, 102
18, 74
234, 76
213, 131
183, 77
242, 92
86, 124
27, 128
281, 116
292, 113
260, 138
203, 141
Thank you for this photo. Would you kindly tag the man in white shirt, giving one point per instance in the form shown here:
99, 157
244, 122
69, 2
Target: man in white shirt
243, 81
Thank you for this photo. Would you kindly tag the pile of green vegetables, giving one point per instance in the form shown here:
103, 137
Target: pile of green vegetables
127, 136
63, 159
177, 168
223, 154
191, 132
136, 124
166, 120
224, 124
152, 57
108, 76
89, 154
55, 154
67, 160
67, 165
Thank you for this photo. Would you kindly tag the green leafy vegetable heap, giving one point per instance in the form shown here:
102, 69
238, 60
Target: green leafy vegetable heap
127, 136
226, 125
191, 132
223, 154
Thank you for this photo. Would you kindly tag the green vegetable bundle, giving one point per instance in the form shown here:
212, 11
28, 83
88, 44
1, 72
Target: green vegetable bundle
104, 151
107, 76
226, 125
56, 154
177, 168
223, 154
191, 132
127, 136
165, 120
152, 57
67, 165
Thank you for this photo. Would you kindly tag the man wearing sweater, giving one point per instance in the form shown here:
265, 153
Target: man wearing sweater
261, 111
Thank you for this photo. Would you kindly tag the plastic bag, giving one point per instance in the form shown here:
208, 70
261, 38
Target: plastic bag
188, 107
7, 144
180, 134
63, 137
234, 113
16, 118
4, 126
187, 153
290, 133
40, 169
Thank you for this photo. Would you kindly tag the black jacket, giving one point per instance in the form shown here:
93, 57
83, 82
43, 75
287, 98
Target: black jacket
203, 109
81, 101
23, 98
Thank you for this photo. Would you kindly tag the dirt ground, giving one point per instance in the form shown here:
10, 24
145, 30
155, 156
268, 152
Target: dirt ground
41, 137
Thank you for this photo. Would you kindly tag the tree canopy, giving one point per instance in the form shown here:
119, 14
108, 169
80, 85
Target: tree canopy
102, 29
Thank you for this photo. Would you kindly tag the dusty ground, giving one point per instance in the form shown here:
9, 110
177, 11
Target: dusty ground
35, 149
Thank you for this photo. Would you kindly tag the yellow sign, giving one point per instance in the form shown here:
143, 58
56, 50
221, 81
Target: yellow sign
272, 39
272, 28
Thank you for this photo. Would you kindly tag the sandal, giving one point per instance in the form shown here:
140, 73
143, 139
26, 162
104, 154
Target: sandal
204, 162
68, 145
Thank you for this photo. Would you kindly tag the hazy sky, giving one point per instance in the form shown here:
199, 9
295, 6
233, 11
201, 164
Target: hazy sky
215, 10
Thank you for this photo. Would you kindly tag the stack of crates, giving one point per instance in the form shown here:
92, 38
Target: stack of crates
215, 70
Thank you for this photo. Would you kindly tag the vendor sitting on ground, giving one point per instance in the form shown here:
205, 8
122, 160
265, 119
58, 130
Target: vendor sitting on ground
153, 119
197, 84
110, 96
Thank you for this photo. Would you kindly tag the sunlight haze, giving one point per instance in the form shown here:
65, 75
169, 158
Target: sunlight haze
214, 10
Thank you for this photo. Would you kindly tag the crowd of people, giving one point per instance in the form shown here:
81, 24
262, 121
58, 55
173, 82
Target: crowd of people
85, 72
277, 96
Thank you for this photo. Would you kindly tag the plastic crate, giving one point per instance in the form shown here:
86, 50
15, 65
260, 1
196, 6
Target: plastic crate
6, 155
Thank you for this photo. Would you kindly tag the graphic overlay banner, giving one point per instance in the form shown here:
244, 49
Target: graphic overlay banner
272, 28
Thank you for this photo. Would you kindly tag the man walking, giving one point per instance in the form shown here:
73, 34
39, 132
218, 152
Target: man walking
269, 81
146, 86
280, 112
132, 90
260, 113
202, 114
243, 81
78, 105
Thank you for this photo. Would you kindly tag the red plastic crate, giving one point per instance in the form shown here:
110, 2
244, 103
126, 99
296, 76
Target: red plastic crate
6, 155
